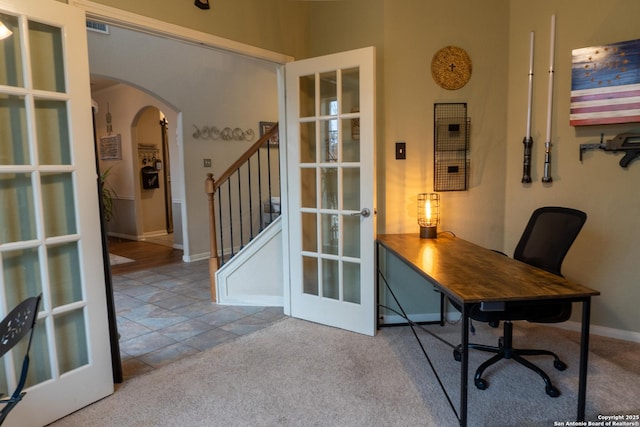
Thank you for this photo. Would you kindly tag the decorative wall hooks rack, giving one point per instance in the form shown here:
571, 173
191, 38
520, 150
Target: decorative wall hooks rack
225, 134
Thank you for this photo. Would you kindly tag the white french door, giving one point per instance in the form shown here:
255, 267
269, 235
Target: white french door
49, 219
330, 111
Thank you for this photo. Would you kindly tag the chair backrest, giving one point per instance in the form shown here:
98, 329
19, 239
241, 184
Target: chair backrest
18, 323
548, 236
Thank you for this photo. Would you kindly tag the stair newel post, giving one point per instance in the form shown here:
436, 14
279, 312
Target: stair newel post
214, 262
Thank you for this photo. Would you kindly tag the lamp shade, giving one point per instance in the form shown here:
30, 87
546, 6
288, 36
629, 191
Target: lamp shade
428, 214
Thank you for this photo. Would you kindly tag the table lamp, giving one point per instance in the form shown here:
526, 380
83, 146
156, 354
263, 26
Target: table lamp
428, 215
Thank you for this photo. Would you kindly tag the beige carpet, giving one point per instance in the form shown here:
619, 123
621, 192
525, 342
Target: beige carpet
297, 373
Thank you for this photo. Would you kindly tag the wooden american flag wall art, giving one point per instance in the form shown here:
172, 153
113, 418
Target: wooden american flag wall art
605, 84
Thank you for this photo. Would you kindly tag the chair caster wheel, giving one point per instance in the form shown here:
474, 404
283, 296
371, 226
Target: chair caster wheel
457, 354
481, 384
552, 391
559, 365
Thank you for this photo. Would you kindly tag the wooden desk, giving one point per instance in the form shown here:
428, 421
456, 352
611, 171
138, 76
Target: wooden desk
470, 274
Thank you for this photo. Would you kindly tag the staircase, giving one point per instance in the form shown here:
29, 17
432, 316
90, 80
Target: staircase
245, 227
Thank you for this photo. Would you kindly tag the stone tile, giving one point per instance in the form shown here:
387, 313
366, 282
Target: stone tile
170, 283
134, 291
155, 296
154, 317
198, 309
210, 339
184, 330
243, 329
222, 317
168, 354
129, 329
271, 314
174, 302
134, 367
151, 277
145, 344
247, 310
124, 303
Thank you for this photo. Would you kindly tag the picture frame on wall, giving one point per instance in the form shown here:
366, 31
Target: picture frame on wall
110, 147
265, 127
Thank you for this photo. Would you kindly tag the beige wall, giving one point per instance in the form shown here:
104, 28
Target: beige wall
277, 25
604, 255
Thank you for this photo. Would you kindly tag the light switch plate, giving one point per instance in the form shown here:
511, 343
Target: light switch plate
401, 150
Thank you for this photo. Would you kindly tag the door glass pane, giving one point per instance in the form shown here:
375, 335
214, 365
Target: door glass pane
351, 188
330, 279
309, 232
329, 182
17, 219
330, 233
308, 188
64, 274
310, 275
14, 149
22, 275
329, 141
53, 127
351, 236
328, 93
351, 280
39, 364
350, 90
46, 57
351, 140
71, 341
307, 96
57, 203
39, 367
11, 70
307, 142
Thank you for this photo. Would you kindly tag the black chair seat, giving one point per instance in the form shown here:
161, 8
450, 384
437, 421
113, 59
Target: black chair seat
13, 328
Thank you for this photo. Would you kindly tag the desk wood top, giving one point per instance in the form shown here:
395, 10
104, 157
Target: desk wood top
469, 273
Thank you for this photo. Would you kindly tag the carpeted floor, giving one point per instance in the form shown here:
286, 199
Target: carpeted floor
297, 373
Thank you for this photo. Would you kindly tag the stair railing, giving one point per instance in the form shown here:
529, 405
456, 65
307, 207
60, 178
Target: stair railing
247, 202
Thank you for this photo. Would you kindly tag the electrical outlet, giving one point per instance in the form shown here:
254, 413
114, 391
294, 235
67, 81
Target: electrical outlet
206, 163
401, 150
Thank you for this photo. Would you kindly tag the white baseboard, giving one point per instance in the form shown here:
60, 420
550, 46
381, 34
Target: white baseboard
570, 325
602, 331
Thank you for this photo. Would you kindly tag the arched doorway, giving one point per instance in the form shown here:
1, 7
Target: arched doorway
152, 166
145, 129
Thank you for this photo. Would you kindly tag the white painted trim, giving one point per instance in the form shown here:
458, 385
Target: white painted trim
602, 331
395, 319
253, 248
122, 18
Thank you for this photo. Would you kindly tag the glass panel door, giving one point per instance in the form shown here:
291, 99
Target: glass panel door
49, 241
332, 189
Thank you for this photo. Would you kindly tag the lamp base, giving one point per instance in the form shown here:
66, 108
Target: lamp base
429, 232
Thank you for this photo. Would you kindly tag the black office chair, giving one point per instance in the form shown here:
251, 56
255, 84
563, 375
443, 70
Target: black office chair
545, 242
18, 323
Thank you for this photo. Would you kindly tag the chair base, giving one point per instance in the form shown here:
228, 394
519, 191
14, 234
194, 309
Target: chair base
505, 350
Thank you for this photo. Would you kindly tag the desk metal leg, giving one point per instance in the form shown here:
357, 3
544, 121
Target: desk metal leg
464, 365
584, 355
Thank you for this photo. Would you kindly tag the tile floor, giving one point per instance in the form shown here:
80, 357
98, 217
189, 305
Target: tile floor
166, 313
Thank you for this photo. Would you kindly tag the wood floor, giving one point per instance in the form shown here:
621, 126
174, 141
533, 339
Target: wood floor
145, 255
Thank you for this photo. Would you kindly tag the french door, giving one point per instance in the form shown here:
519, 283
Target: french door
49, 219
330, 109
